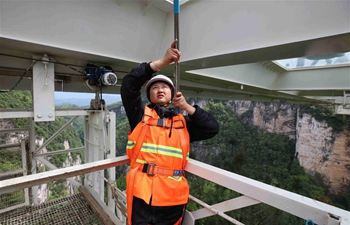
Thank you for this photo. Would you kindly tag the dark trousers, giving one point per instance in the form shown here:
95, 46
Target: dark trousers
143, 213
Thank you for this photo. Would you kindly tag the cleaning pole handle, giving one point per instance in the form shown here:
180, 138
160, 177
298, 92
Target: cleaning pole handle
176, 4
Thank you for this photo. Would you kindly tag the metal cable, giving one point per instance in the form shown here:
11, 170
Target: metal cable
20, 79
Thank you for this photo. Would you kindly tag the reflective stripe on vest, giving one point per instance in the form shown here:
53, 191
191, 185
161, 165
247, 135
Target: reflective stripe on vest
162, 150
158, 149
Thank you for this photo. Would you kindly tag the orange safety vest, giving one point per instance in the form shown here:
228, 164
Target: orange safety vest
149, 145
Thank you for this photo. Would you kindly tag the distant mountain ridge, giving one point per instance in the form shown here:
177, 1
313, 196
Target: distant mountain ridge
82, 102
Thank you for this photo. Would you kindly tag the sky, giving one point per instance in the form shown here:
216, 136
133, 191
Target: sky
63, 95
82, 99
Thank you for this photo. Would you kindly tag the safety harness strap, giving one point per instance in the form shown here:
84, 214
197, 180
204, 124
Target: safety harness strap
129, 192
133, 171
176, 124
183, 146
151, 169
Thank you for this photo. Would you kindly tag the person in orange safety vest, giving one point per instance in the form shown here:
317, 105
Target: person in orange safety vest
159, 143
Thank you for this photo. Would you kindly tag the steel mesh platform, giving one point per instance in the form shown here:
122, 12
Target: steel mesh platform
68, 210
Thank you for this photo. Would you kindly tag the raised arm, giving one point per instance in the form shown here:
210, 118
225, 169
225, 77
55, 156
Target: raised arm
132, 83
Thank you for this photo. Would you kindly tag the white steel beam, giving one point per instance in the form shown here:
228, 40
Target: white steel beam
335, 78
110, 120
343, 109
292, 203
53, 167
31, 163
226, 206
44, 91
15, 184
122, 23
214, 211
24, 153
60, 151
95, 145
254, 75
11, 174
218, 28
14, 130
50, 139
10, 145
247, 74
8, 209
8, 114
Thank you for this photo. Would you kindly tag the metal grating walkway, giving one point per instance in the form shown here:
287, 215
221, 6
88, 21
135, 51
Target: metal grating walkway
68, 210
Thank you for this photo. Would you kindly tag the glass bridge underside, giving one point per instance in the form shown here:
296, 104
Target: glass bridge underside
312, 62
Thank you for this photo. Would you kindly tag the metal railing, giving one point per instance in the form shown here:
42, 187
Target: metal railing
17, 151
253, 192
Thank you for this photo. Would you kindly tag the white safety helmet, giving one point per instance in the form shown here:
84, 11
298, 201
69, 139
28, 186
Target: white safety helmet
158, 78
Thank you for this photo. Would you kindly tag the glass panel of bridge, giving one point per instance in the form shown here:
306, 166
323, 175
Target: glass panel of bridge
309, 62
181, 1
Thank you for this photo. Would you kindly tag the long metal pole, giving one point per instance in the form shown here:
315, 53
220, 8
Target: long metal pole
176, 36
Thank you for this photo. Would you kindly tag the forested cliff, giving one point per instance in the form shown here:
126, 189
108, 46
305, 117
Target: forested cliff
322, 139
301, 148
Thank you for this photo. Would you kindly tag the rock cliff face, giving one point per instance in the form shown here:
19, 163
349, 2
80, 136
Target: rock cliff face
273, 117
318, 148
322, 151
